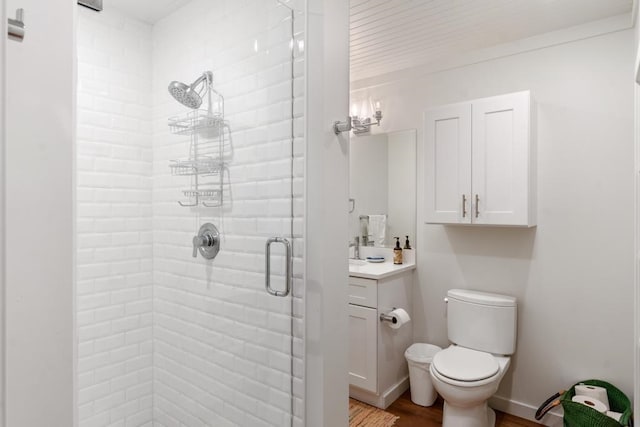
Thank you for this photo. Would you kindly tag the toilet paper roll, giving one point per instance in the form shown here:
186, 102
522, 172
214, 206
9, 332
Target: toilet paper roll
399, 318
615, 415
595, 392
591, 402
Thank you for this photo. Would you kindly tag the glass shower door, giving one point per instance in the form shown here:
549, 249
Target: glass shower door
224, 345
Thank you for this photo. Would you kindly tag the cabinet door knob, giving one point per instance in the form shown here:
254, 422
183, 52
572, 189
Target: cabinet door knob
477, 208
464, 205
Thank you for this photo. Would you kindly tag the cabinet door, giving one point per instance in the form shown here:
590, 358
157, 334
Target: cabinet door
448, 164
501, 169
363, 355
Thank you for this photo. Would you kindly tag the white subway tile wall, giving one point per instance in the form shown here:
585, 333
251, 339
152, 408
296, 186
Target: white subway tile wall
221, 345
114, 223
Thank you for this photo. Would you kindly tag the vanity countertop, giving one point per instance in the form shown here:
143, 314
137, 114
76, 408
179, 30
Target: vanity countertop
377, 271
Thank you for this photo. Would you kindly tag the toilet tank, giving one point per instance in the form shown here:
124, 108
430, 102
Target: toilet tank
482, 321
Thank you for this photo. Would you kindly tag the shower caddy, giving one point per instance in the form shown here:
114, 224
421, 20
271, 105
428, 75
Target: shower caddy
205, 162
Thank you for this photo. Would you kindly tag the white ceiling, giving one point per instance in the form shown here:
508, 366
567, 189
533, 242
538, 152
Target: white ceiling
149, 11
390, 35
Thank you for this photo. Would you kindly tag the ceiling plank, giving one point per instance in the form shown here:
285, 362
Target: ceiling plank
387, 35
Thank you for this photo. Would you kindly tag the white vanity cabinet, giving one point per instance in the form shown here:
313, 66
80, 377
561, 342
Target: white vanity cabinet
363, 333
480, 162
378, 372
363, 354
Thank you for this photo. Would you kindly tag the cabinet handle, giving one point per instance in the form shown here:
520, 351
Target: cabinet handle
477, 208
464, 206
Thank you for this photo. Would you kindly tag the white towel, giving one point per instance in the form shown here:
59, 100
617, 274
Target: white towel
377, 228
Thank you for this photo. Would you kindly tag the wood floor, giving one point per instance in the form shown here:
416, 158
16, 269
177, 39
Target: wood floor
418, 416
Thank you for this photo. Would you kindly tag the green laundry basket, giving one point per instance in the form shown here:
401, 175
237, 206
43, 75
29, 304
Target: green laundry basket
579, 415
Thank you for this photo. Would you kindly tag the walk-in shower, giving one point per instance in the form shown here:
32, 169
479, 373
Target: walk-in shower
166, 338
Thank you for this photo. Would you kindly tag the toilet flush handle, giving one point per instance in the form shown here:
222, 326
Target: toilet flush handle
446, 302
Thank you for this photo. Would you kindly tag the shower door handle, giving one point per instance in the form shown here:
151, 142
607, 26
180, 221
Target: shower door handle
15, 28
267, 270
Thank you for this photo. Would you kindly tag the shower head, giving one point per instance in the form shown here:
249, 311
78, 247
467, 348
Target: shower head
187, 95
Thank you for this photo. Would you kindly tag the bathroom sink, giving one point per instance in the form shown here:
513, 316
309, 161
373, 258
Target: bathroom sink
357, 262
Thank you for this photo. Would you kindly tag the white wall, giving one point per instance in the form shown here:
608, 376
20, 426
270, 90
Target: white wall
572, 274
114, 224
39, 225
326, 205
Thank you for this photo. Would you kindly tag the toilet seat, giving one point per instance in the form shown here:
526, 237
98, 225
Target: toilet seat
464, 365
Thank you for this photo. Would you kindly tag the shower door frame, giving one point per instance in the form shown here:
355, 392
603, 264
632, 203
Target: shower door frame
3, 180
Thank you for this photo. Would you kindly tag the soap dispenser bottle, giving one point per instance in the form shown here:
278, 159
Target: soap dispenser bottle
397, 252
407, 245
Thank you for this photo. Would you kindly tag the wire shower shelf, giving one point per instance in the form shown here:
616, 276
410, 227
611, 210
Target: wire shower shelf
205, 162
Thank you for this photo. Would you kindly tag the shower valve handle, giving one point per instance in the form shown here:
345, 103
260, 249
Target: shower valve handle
207, 241
203, 241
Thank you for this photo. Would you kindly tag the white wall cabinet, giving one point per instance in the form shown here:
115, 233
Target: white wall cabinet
378, 372
480, 162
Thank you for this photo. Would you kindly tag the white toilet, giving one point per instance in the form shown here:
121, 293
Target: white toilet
482, 329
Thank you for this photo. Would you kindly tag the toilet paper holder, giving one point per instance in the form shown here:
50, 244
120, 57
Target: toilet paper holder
386, 317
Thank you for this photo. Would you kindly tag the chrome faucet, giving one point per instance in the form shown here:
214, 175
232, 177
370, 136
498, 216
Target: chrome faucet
356, 247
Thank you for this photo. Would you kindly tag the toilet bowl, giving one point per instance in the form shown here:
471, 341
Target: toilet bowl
466, 379
482, 330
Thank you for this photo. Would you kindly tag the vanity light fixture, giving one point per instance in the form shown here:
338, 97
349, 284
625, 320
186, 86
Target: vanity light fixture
358, 124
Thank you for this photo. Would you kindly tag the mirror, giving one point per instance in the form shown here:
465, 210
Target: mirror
382, 188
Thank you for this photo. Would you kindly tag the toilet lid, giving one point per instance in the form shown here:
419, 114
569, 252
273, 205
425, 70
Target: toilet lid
463, 364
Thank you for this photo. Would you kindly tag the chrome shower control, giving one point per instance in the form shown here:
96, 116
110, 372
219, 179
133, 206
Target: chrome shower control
207, 241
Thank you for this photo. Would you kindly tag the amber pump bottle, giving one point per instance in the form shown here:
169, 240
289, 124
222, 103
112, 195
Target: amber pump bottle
397, 252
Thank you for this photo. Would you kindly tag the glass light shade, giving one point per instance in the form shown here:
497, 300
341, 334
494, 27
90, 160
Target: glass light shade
354, 109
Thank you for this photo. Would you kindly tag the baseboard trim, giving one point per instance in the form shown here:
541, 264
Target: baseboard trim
393, 393
384, 400
523, 410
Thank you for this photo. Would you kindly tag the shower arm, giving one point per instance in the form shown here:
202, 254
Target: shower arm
207, 78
